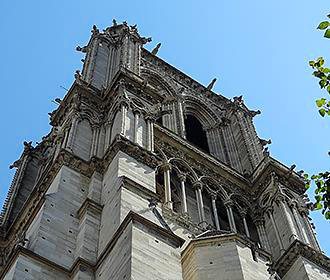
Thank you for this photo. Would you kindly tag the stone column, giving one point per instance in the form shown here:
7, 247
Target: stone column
296, 215
260, 225
314, 243
148, 123
215, 211
181, 118
136, 125
278, 238
243, 213
284, 207
198, 189
152, 136
166, 167
182, 178
72, 132
229, 204
123, 109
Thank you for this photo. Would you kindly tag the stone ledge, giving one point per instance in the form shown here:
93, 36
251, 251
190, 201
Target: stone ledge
220, 239
296, 249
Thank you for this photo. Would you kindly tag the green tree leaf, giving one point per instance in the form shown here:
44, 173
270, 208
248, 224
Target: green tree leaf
323, 25
322, 112
320, 103
327, 33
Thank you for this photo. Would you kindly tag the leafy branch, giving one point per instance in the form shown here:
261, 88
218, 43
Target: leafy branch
322, 180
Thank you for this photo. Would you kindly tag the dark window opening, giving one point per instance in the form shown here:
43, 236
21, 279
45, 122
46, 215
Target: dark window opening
159, 121
195, 133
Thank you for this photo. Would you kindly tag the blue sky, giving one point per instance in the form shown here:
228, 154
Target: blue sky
256, 48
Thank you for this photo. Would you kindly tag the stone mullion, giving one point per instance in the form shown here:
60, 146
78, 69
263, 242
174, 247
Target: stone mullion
228, 204
123, 119
181, 119
152, 136
166, 167
246, 228
173, 118
198, 189
148, 135
136, 125
182, 179
215, 211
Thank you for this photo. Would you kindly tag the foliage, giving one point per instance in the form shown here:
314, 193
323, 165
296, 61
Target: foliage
322, 180
322, 192
323, 74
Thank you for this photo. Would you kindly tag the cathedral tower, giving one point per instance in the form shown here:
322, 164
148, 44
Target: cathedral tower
147, 174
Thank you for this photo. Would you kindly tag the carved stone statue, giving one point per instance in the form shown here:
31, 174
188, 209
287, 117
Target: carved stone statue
82, 49
15, 164
264, 142
95, 30
156, 49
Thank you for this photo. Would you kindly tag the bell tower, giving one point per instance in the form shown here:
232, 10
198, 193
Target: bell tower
148, 174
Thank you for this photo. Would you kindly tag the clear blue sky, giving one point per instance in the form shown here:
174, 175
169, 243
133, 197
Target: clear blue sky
256, 48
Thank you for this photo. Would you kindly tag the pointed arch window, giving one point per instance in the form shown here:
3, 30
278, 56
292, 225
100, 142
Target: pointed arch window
195, 133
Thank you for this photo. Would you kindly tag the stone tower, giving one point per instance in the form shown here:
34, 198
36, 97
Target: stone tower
147, 174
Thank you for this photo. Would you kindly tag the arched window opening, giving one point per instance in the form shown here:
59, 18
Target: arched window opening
192, 202
222, 214
195, 133
252, 229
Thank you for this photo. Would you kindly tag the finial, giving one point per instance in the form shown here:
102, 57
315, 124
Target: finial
155, 50
114, 22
